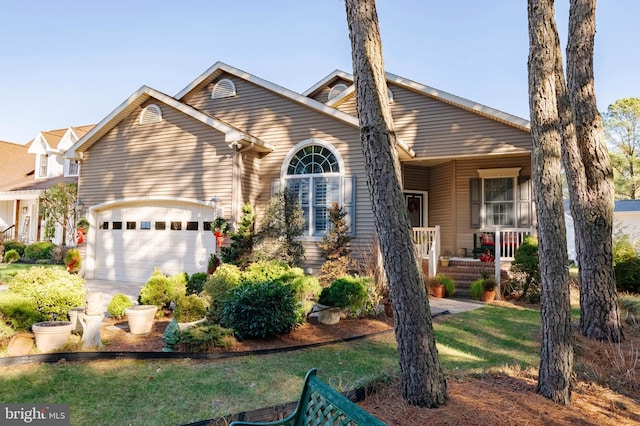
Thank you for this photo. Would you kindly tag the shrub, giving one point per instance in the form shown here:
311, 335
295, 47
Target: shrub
627, 274
14, 245
195, 284
18, 311
333, 269
526, 268
305, 287
218, 286
241, 249
624, 248
212, 264
118, 304
11, 256
161, 290
41, 250
189, 308
203, 337
72, 260
55, 291
345, 292
271, 270
260, 310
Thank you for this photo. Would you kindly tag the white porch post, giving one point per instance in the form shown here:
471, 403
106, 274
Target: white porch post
498, 255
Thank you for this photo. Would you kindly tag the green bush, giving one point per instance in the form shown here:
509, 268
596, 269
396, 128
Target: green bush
627, 274
345, 292
161, 290
270, 270
118, 305
203, 337
189, 308
41, 250
196, 282
218, 286
14, 245
55, 291
11, 256
260, 310
18, 311
624, 248
306, 287
526, 270
484, 283
72, 260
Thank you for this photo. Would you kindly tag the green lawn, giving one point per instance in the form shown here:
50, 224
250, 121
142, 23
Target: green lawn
174, 392
8, 271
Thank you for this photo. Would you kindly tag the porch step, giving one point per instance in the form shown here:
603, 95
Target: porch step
464, 272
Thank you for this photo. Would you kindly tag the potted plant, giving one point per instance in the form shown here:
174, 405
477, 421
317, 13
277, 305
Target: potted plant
343, 293
220, 228
141, 318
72, 261
52, 335
484, 288
190, 310
444, 260
441, 286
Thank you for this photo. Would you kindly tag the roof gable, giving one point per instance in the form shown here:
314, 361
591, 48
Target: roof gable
139, 97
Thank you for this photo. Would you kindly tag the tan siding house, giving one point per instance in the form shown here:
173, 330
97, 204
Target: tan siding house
151, 167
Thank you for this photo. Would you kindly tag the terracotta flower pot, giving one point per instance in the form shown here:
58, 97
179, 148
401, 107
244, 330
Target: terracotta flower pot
438, 291
141, 318
488, 295
52, 335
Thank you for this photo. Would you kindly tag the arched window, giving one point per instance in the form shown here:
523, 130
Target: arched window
223, 89
313, 171
150, 114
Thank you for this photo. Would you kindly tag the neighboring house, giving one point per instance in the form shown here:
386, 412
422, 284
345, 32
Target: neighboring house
15, 165
151, 166
20, 192
626, 218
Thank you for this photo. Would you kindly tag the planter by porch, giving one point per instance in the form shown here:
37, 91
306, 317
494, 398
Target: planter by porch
328, 315
438, 291
141, 318
444, 261
52, 335
488, 295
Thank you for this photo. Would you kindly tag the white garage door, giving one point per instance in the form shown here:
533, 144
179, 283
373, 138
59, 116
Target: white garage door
133, 240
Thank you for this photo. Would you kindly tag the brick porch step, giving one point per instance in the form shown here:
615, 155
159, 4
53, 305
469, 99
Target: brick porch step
464, 272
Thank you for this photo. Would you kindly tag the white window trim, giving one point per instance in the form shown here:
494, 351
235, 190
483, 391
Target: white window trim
341, 174
507, 172
68, 168
150, 114
42, 165
221, 92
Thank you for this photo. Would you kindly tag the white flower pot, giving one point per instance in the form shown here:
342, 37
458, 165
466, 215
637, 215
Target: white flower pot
141, 318
328, 315
52, 335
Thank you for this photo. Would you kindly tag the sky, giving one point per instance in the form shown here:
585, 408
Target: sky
70, 63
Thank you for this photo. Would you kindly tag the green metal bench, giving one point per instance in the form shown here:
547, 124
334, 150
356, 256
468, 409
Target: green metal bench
319, 404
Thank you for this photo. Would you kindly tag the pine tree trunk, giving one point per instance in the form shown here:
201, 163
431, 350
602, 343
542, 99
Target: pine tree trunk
592, 199
556, 357
423, 381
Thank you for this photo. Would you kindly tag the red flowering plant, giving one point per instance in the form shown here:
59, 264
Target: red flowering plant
486, 256
72, 261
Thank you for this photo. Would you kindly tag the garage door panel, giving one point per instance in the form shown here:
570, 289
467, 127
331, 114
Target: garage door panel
132, 254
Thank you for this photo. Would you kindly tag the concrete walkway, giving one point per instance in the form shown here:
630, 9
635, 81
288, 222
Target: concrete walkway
454, 306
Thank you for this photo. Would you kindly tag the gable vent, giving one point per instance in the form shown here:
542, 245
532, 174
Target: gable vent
151, 114
336, 90
223, 89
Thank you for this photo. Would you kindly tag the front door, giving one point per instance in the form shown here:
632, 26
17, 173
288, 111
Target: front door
416, 207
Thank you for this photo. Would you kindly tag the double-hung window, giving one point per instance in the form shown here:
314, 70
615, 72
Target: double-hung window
314, 174
500, 197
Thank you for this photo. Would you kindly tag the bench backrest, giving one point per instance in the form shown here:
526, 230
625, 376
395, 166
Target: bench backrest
322, 405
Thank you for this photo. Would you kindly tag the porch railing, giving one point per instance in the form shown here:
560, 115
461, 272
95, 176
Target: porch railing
427, 243
7, 234
506, 243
